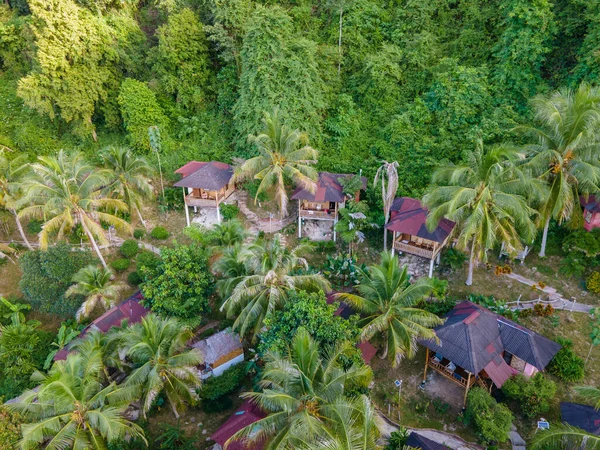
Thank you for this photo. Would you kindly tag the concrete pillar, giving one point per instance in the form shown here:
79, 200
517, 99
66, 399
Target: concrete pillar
393, 242
438, 258
431, 267
299, 219
187, 211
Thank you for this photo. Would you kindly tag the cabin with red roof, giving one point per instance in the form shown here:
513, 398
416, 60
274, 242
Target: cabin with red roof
325, 202
408, 224
205, 185
247, 414
591, 212
478, 346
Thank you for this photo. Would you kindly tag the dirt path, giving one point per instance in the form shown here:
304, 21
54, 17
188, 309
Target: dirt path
387, 426
258, 224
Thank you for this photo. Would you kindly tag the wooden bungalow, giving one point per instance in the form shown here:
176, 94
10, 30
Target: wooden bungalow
408, 218
205, 184
477, 346
591, 212
325, 202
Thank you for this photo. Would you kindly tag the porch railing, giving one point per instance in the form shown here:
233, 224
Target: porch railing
413, 249
192, 200
444, 371
314, 214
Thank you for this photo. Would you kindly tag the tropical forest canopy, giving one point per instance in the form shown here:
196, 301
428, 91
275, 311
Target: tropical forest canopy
368, 80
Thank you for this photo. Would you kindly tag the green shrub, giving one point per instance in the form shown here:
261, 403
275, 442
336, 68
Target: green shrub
129, 248
490, 419
47, 275
134, 278
160, 233
120, 264
398, 439
251, 187
566, 365
10, 428
139, 233
172, 200
230, 381
218, 405
229, 211
592, 283
147, 259
532, 395
453, 258
34, 226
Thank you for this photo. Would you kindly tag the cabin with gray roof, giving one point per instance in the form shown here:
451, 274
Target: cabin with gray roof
219, 352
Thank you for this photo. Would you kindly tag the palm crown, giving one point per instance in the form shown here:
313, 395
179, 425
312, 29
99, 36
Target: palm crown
12, 172
268, 277
303, 393
487, 199
67, 190
283, 155
387, 301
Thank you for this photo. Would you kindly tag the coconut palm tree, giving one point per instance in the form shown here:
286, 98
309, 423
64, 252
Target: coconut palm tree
74, 409
565, 154
303, 394
163, 362
223, 235
64, 191
284, 154
388, 175
96, 285
230, 267
487, 198
130, 177
271, 273
11, 173
387, 301
563, 436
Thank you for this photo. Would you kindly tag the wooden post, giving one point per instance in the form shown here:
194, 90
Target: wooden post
299, 219
467, 390
393, 249
426, 362
217, 202
187, 212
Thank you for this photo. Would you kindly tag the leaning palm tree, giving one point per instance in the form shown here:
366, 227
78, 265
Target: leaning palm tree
303, 394
163, 362
387, 301
74, 409
11, 173
284, 154
388, 174
96, 285
565, 154
271, 274
487, 198
64, 191
130, 177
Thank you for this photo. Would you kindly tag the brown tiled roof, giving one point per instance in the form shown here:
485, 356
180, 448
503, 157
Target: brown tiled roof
246, 415
475, 338
329, 189
211, 176
408, 215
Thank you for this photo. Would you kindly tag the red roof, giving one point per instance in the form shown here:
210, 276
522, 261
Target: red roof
499, 371
130, 310
190, 168
408, 215
246, 415
367, 351
329, 189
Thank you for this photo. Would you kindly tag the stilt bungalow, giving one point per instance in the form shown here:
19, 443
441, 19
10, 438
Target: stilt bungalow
205, 185
325, 202
408, 218
477, 346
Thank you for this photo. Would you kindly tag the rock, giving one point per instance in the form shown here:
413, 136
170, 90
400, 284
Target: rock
192, 419
203, 431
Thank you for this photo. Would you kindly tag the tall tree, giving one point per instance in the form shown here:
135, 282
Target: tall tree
388, 175
74, 54
303, 394
65, 190
284, 154
74, 409
487, 199
270, 276
278, 68
388, 303
181, 60
163, 362
11, 172
130, 177
96, 285
565, 152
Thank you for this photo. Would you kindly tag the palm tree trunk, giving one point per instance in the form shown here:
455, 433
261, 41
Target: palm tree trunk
471, 264
385, 247
589, 353
139, 213
384, 351
94, 244
544, 238
20, 228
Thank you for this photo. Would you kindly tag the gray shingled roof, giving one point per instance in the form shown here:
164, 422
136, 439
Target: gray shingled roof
218, 345
211, 176
473, 336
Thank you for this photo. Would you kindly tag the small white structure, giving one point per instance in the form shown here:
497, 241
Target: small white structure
219, 352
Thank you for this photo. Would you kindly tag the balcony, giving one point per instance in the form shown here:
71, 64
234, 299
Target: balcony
413, 249
193, 200
454, 374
